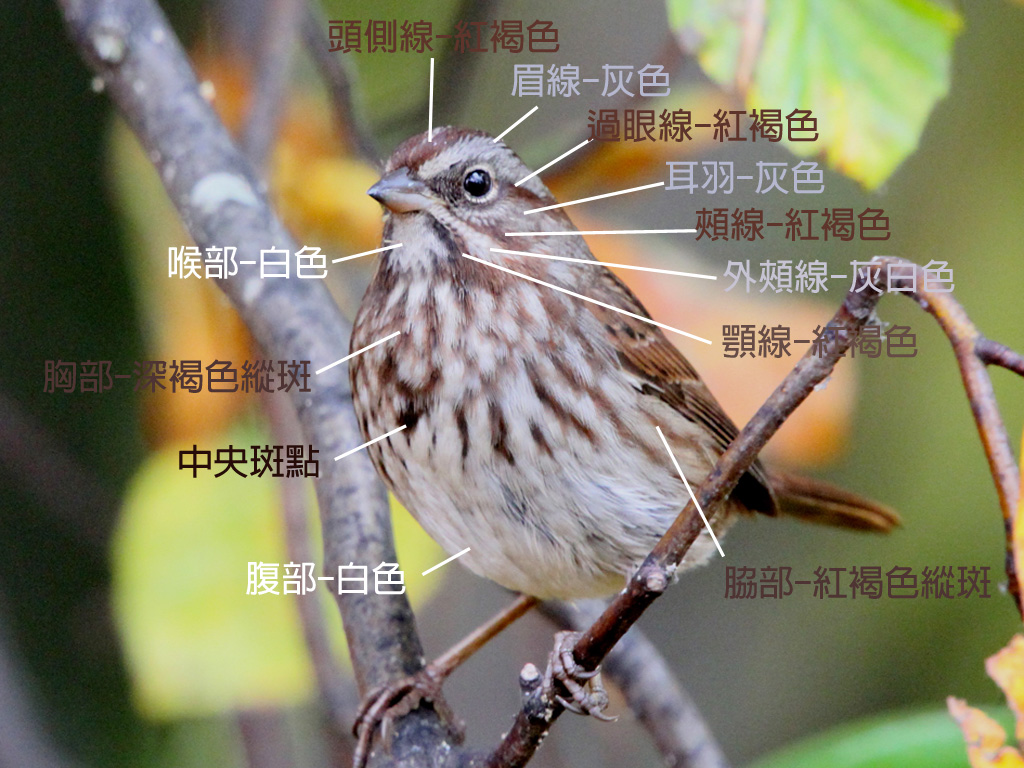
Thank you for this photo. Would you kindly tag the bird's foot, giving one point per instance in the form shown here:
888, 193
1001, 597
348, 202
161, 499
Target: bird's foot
383, 705
587, 695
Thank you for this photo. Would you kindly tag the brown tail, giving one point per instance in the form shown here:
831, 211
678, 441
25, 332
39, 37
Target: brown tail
820, 502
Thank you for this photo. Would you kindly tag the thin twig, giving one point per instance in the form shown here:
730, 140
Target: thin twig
965, 339
993, 353
131, 48
277, 38
339, 84
455, 656
641, 673
339, 694
456, 72
751, 36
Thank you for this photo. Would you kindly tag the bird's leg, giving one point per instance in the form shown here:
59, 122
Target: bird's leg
448, 661
382, 705
588, 696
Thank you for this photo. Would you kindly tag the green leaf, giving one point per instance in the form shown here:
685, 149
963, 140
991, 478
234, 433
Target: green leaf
916, 740
871, 71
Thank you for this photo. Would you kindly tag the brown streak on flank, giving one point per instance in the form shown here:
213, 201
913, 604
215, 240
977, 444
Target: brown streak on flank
377, 457
388, 366
555, 305
568, 373
409, 415
460, 421
683, 444
499, 431
601, 402
355, 374
538, 437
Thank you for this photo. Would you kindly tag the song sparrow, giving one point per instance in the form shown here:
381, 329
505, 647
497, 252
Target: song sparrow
529, 414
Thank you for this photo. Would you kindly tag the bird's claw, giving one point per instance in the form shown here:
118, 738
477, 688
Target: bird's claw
586, 692
383, 705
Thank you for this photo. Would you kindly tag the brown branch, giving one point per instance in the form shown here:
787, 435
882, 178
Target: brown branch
643, 676
973, 352
277, 36
993, 353
131, 48
455, 656
339, 84
752, 30
339, 694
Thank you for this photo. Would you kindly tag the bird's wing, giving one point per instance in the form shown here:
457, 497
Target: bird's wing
645, 352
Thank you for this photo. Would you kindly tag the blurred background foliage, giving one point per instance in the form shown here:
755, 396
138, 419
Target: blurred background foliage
91, 517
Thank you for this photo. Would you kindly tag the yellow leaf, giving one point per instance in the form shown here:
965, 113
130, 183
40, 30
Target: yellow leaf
985, 738
1007, 668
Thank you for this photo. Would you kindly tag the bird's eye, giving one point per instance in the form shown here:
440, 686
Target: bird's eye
477, 183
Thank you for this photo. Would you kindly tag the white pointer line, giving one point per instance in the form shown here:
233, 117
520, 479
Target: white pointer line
587, 298
445, 562
605, 232
367, 253
517, 122
595, 197
545, 167
690, 491
371, 442
605, 264
430, 108
357, 352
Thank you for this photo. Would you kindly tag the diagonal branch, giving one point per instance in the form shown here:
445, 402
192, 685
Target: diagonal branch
277, 36
654, 575
993, 353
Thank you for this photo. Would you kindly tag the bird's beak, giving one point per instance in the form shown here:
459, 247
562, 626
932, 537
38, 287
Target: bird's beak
400, 192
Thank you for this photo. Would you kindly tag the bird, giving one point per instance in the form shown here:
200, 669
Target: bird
530, 416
